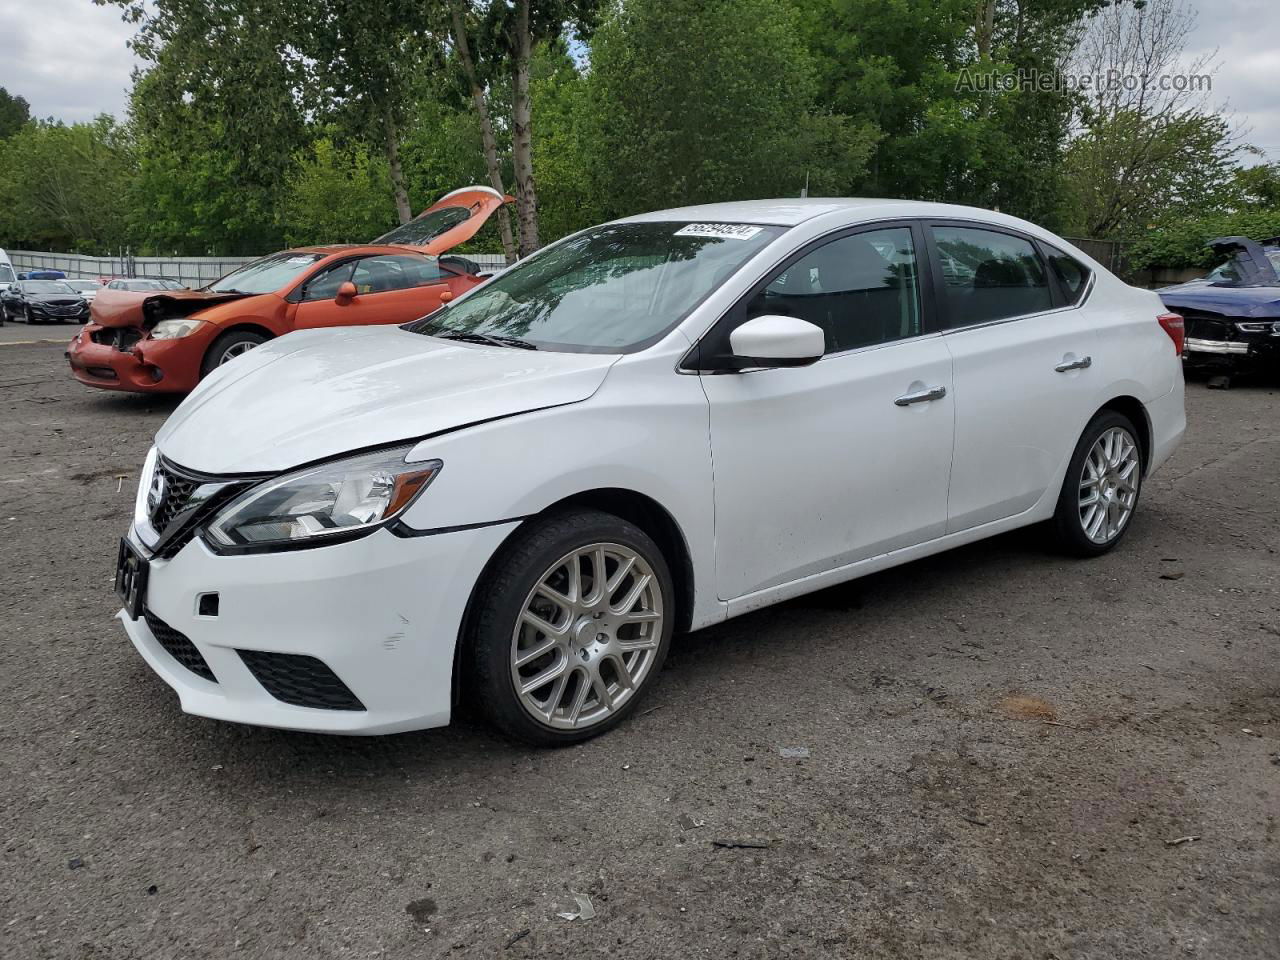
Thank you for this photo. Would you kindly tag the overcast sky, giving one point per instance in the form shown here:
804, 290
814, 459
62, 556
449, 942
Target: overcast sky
69, 59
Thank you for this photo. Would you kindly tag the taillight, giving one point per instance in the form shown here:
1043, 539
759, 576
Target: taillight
1175, 328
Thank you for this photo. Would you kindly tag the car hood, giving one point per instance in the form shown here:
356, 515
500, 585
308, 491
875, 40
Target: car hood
317, 394
1229, 301
145, 308
62, 298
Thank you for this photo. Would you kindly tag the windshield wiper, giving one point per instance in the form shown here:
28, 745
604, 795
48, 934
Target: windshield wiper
492, 340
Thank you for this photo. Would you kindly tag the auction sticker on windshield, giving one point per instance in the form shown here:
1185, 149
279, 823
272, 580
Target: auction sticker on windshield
721, 231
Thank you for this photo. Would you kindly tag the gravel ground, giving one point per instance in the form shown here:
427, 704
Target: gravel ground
1001, 745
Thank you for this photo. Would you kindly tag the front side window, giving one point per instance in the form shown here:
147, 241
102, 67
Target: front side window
1072, 275
397, 272
861, 290
266, 275
379, 274
989, 276
611, 289
6, 273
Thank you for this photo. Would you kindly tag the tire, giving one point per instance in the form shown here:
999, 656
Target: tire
228, 346
592, 641
26, 315
1115, 478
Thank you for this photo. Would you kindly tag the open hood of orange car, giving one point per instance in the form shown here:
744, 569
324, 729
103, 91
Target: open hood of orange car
145, 308
453, 219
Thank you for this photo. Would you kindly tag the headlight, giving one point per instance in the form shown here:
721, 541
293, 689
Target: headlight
174, 329
341, 497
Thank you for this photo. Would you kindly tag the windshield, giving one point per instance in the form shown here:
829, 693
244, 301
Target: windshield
611, 289
426, 226
46, 286
1227, 273
266, 275
83, 284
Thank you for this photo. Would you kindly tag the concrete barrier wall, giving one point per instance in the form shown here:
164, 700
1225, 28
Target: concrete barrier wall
191, 271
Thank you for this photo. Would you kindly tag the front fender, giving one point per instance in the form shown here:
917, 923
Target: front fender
639, 433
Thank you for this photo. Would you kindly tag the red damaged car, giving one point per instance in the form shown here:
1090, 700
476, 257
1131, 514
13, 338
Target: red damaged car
166, 341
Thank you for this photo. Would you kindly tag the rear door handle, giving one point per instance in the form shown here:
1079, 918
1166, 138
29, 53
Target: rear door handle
1082, 364
923, 396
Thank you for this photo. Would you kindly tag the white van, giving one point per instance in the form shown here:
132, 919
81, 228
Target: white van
7, 274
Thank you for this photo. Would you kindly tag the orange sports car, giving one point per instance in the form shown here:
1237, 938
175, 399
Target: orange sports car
165, 341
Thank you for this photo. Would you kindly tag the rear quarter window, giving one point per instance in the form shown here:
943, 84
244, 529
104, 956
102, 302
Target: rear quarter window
1073, 276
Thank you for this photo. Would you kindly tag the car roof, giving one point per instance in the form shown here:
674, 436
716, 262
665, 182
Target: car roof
352, 248
796, 210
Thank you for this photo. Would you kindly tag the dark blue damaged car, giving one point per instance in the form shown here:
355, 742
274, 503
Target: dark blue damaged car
1233, 313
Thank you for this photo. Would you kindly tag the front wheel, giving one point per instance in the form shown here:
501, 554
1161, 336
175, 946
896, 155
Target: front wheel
229, 346
570, 627
1100, 492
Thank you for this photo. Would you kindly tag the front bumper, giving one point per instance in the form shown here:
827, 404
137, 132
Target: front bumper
382, 613
149, 366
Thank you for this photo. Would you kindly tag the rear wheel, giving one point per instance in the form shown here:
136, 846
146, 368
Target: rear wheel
571, 628
1100, 492
229, 346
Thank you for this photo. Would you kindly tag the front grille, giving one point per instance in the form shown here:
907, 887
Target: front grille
122, 338
178, 646
180, 509
300, 680
178, 489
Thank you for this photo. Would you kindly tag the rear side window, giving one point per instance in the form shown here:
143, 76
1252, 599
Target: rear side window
989, 276
1072, 275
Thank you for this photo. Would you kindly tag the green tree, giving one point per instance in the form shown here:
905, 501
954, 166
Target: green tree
337, 195
64, 187
494, 39
364, 59
1128, 171
1145, 152
693, 101
14, 113
1257, 187
920, 70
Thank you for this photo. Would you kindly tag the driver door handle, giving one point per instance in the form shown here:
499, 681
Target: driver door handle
1082, 364
923, 396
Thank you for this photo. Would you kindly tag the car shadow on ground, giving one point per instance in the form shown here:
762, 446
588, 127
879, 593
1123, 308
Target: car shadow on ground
766, 641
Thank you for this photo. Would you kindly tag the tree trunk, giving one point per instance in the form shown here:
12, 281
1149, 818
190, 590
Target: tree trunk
985, 28
489, 141
522, 134
391, 143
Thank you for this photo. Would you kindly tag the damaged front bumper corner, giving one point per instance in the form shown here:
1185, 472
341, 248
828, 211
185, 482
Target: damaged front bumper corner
145, 366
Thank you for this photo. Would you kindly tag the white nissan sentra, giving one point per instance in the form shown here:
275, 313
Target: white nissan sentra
648, 427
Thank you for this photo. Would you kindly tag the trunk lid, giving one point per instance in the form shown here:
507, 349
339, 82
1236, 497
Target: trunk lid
453, 219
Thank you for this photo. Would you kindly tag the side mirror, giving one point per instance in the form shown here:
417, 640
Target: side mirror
777, 341
346, 293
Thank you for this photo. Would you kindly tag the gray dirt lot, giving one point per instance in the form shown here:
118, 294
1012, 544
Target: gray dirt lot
938, 815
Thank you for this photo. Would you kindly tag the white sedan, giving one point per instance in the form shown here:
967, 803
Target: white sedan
648, 427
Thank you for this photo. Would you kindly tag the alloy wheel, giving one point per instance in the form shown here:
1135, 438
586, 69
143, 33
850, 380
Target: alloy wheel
587, 636
234, 350
1109, 485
